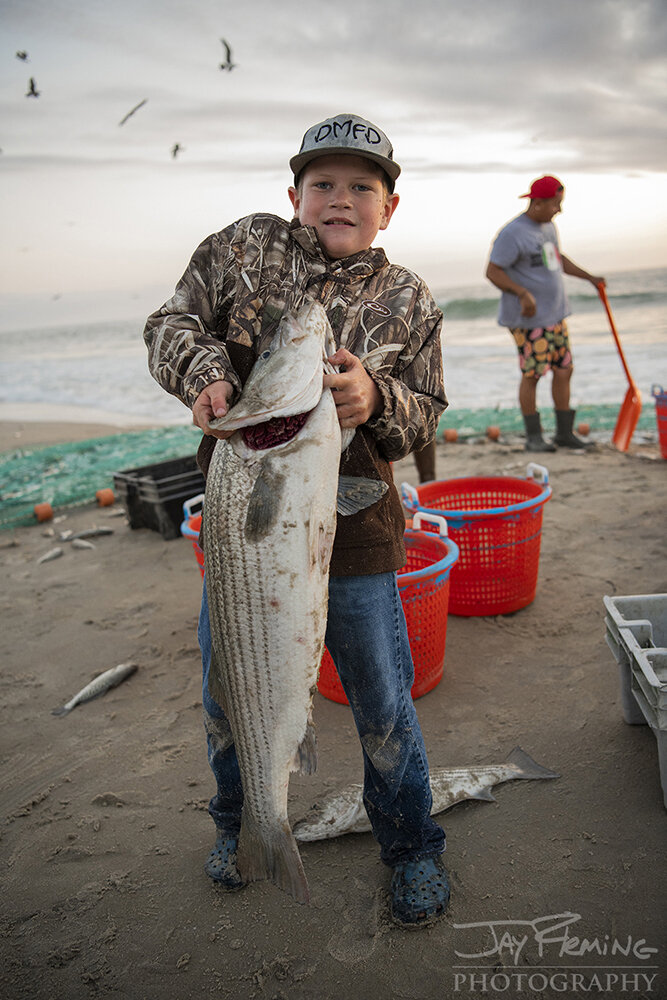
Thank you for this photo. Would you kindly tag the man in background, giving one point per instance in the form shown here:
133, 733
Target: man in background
526, 264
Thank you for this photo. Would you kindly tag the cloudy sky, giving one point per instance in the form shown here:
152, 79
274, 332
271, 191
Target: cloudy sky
478, 97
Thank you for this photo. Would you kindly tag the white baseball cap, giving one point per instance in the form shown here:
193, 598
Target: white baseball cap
346, 134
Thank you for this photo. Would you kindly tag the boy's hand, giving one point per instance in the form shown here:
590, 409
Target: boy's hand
212, 402
356, 395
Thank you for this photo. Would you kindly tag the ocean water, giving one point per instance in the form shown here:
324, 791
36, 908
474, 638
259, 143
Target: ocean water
97, 371
481, 362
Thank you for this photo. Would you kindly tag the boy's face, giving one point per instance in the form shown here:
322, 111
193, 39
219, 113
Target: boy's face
345, 199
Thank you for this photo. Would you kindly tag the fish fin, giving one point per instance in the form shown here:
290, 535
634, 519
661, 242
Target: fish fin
528, 767
346, 436
356, 493
305, 758
484, 794
264, 503
274, 856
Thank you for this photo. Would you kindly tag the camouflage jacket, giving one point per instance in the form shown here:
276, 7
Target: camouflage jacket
226, 309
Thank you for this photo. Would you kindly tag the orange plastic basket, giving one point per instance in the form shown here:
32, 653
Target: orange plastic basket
497, 524
423, 584
191, 526
660, 397
424, 588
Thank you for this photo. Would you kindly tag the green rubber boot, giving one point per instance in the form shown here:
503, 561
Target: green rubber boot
534, 439
565, 438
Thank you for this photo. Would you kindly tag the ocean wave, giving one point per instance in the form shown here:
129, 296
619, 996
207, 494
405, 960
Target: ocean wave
482, 308
625, 290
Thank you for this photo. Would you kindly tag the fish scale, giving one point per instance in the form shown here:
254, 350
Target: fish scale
243, 610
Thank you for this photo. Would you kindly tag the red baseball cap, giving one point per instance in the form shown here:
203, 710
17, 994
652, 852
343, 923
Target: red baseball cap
544, 187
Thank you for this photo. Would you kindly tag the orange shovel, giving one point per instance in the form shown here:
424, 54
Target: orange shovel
631, 407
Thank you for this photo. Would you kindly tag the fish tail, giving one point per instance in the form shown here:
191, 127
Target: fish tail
527, 766
275, 857
61, 710
305, 758
485, 794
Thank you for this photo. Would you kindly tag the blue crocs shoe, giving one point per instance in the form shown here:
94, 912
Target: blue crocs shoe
220, 865
419, 892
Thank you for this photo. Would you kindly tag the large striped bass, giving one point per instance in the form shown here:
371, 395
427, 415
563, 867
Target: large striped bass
269, 521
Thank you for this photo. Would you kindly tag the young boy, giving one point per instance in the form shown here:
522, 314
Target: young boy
202, 345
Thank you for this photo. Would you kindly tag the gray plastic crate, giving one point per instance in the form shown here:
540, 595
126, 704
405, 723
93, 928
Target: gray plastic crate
637, 636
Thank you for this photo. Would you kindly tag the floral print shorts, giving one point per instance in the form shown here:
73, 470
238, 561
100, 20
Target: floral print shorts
542, 348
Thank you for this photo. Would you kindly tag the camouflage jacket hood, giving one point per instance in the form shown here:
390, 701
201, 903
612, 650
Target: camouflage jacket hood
226, 309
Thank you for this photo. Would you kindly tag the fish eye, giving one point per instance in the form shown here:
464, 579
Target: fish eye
265, 355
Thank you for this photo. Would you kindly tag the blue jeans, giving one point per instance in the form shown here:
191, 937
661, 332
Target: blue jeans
368, 641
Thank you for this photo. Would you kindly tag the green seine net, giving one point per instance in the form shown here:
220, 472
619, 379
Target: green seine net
70, 474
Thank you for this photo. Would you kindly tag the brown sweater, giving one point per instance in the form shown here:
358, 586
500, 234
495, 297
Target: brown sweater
226, 309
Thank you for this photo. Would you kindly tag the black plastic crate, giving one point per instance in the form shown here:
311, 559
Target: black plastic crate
153, 495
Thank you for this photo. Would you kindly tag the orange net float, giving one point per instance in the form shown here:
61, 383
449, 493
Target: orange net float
105, 498
43, 511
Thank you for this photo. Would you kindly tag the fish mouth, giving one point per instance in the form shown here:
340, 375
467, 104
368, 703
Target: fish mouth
272, 432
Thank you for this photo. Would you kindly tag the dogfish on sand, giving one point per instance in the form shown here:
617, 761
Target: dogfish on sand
344, 812
269, 519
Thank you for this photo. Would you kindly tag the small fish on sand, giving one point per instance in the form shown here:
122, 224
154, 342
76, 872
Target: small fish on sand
51, 554
99, 685
92, 533
344, 812
82, 543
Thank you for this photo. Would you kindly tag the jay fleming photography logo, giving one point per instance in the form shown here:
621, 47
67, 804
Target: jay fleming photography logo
551, 956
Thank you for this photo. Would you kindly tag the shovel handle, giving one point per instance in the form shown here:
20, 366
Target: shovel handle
603, 296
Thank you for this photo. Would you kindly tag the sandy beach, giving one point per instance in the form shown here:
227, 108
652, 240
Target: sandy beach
105, 825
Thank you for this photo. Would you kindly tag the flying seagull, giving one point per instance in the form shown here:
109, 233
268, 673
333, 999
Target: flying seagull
33, 92
130, 113
22, 55
176, 149
227, 64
